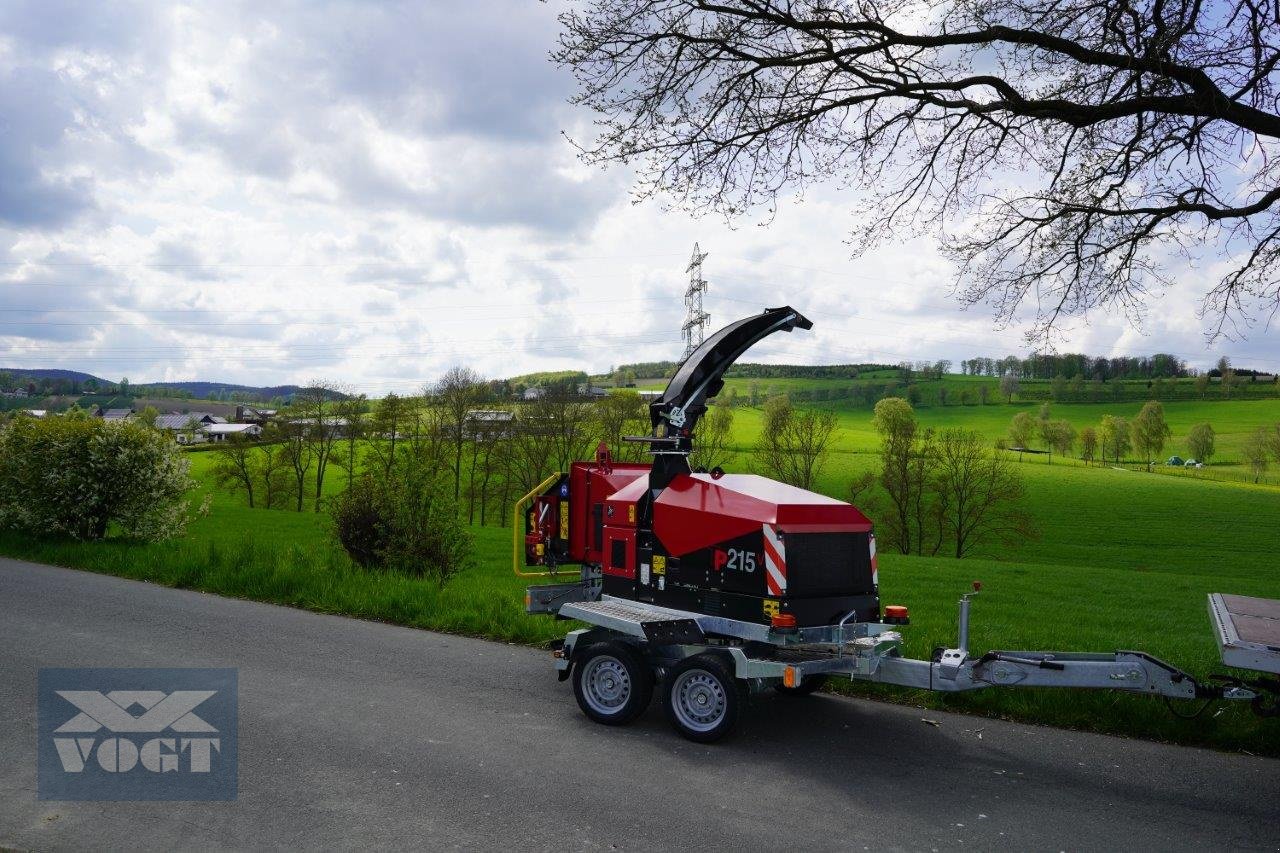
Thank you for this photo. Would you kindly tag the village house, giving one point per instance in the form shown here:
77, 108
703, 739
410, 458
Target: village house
187, 427
223, 431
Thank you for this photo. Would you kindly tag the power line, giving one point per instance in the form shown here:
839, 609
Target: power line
321, 265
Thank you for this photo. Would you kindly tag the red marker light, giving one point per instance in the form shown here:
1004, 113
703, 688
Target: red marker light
895, 612
783, 620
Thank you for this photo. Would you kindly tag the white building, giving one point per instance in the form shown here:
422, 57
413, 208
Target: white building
221, 432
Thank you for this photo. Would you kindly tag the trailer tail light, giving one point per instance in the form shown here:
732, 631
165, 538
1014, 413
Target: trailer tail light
896, 614
783, 620
790, 677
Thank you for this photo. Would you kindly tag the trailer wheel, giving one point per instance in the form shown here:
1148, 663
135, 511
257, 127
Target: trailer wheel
612, 683
703, 699
806, 686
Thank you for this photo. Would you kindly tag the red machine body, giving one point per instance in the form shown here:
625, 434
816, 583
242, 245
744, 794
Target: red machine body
735, 545
565, 524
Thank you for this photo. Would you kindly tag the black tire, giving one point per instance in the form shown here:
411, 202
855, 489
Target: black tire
703, 700
612, 683
806, 686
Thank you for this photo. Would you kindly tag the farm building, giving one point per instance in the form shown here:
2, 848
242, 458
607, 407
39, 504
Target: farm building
221, 432
187, 427
253, 415
482, 424
333, 425
113, 414
176, 421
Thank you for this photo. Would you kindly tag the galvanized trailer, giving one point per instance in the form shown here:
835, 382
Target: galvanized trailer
705, 666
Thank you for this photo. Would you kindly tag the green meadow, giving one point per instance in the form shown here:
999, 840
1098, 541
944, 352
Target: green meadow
1123, 560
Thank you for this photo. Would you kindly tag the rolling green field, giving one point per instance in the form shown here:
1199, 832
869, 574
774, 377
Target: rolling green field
1124, 560
1232, 421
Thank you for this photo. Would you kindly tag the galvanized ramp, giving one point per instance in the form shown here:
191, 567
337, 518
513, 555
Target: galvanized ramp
1248, 631
646, 621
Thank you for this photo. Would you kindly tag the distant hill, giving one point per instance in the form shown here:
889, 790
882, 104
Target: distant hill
54, 373
549, 377
197, 390
205, 389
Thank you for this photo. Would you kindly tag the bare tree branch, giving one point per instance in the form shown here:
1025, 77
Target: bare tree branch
1064, 149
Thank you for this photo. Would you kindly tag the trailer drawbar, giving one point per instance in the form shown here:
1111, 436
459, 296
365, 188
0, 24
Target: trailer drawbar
716, 585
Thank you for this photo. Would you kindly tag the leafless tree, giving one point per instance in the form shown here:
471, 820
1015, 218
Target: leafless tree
618, 415
484, 440
234, 468
314, 406
274, 464
1088, 445
1068, 145
1008, 386
426, 431
459, 391
565, 423
299, 455
389, 418
981, 493
529, 456
351, 411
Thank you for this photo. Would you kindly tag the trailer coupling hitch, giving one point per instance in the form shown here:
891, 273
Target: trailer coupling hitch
1263, 693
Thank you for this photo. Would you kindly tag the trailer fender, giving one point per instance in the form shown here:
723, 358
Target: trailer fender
575, 642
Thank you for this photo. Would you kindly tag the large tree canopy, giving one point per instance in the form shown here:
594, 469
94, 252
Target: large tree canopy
1065, 149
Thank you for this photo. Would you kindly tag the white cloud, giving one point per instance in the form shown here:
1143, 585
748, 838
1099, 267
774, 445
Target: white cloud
268, 193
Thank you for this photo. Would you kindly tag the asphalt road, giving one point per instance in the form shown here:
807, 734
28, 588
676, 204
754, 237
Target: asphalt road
358, 735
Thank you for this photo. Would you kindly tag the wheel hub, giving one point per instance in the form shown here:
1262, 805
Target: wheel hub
607, 685
699, 700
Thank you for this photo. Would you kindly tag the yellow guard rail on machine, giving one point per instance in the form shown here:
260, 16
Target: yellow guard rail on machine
517, 537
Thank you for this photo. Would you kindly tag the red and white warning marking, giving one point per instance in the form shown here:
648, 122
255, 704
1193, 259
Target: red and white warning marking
775, 561
875, 565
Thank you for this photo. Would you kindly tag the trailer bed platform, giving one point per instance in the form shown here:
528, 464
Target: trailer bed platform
1247, 630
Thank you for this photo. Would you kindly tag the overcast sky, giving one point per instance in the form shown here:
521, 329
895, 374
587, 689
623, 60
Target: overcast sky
374, 192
